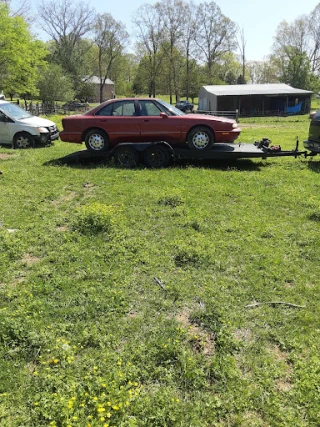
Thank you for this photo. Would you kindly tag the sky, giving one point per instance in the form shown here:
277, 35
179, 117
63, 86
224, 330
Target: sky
258, 19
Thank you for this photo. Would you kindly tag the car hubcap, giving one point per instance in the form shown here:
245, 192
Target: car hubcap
200, 140
22, 142
96, 142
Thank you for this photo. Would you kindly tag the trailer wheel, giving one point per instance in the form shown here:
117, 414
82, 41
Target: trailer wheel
126, 157
156, 157
200, 138
97, 140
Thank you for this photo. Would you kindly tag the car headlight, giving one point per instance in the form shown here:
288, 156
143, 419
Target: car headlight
234, 125
42, 130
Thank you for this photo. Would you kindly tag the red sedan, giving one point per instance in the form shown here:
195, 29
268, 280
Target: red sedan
145, 120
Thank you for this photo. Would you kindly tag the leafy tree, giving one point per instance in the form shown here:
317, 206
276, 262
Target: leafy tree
297, 72
20, 55
54, 84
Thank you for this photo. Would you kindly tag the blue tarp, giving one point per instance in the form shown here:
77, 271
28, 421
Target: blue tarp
293, 110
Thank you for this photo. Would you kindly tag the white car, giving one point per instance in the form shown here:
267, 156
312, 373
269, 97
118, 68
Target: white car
21, 129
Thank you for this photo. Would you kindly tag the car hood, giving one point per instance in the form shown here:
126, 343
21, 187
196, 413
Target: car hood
209, 117
36, 121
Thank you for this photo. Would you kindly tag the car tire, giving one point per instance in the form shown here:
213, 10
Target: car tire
200, 138
126, 157
23, 140
97, 140
156, 157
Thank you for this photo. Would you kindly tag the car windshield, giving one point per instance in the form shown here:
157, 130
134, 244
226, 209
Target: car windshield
14, 112
171, 108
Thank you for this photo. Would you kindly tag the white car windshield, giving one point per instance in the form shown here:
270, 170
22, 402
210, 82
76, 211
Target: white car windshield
13, 111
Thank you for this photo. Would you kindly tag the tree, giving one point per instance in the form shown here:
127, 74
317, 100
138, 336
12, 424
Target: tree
54, 85
172, 14
189, 47
67, 23
20, 55
242, 47
215, 36
150, 27
109, 38
297, 72
314, 28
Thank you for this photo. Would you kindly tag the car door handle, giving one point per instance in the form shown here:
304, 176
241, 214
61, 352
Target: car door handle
103, 120
146, 120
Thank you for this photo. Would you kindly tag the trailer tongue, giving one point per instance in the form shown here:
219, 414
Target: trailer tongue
225, 151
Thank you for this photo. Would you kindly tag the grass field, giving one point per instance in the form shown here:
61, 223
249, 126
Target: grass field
184, 297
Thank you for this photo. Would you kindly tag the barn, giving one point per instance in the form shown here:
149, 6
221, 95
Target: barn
108, 90
255, 99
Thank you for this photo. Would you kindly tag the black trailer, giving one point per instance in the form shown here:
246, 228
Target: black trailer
160, 154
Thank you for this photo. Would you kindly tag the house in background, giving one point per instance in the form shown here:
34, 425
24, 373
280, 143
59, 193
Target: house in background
256, 99
108, 90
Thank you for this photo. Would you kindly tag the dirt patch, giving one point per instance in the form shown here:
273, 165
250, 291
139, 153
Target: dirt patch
202, 341
243, 334
62, 228
30, 260
4, 156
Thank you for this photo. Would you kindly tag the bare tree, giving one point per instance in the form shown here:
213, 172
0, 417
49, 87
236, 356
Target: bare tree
21, 8
188, 42
66, 23
216, 34
314, 27
289, 36
110, 37
172, 14
242, 47
150, 27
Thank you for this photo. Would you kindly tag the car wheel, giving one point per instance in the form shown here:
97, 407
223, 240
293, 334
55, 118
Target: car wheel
97, 140
156, 157
23, 140
126, 157
200, 138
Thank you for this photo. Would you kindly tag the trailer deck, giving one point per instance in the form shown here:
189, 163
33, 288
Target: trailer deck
159, 154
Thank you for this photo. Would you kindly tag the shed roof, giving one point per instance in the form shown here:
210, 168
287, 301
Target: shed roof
96, 80
256, 89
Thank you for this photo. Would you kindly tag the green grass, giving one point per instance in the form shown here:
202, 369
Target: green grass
124, 293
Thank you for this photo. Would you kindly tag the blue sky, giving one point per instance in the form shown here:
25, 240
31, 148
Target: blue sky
258, 19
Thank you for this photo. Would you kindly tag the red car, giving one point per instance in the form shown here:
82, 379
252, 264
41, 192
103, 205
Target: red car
145, 120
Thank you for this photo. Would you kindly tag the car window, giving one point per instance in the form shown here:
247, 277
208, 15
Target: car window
2, 117
149, 108
118, 109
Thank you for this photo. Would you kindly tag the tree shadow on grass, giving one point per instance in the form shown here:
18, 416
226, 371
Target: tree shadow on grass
84, 159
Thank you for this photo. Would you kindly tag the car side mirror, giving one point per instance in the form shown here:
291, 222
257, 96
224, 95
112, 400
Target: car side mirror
163, 115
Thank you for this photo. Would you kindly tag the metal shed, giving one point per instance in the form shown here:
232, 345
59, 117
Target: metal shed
256, 99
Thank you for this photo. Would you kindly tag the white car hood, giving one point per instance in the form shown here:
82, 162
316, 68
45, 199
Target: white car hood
36, 121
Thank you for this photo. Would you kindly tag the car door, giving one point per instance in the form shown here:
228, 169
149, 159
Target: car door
5, 129
119, 120
156, 127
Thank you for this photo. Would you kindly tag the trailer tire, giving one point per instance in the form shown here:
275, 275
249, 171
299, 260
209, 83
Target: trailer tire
156, 157
200, 138
126, 157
